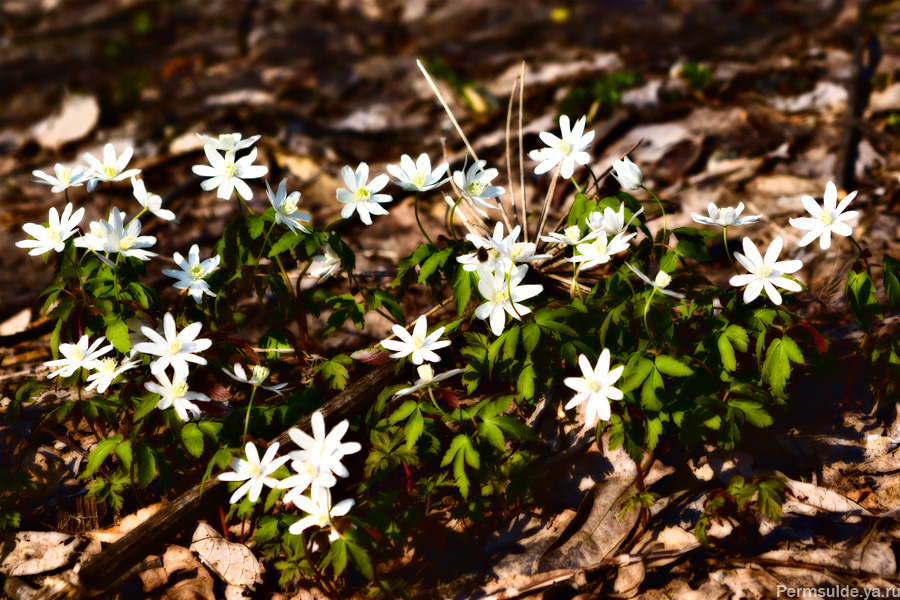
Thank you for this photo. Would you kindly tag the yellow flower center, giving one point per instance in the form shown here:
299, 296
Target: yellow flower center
765, 271
476, 188
517, 250
562, 146
230, 170
501, 297
77, 353
572, 232
322, 520
493, 253
175, 346
53, 235
97, 230
127, 242
289, 207
418, 178
110, 171
362, 194
196, 272
180, 389
308, 469
417, 342
65, 175
426, 372
826, 218
594, 384
260, 374
254, 470
107, 365
663, 279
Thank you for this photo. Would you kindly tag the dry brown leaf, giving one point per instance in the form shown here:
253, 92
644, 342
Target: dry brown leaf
34, 552
76, 118
180, 577
126, 524
234, 563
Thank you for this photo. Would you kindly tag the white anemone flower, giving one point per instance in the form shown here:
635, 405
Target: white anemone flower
765, 273
111, 169
418, 176
596, 386
152, 202
254, 471
427, 378
193, 273
513, 252
55, 234
827, 219
660, 282
571, 236
308, 476
176, 394
324, 449
475, 186
419, 344
228, 174
730, 217
502, 295
609, 221
228, 141
285, 206
600, 250
568, 149
105, 371
127, 241
83, 354
487, 251
627, 174
319, 512
93, 240
258, 374
176, 348
362, 197
326, 264
65, 177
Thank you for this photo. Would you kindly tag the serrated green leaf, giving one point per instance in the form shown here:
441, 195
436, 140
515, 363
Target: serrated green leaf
338, 554
403, 411
492, 434
433, 263
649, 399
738, 337
255, 226
672, 367
511, 341
99, 454
288, 241
124, 454
777, 367
635, 373
192, 438
860, 292
793, 350
210, 429
653, 428
458, 442
531, 335
462, 289
525, 383
146, 465
334, 372
692, 246
149, 402
414, 428
515, 428
361, 561
459, 472
669, 262
770, 498
117, 334
754, 412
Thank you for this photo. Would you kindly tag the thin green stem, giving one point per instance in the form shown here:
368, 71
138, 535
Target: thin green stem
247, 418
244, 203
727, 252
116, 275
109, 202
332, 223
647, 309
450, 218
861, 255
594, 177
265, 241
418, 221
575, 183
574, 287
661, 209
136, 217
509, 292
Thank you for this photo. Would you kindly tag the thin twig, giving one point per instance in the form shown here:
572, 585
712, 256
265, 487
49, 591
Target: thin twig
522, 149
547, 200
512, 188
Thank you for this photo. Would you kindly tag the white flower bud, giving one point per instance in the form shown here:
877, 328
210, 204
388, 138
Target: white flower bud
627, 174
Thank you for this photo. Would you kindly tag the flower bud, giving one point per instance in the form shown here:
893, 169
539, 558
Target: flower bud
627, 174
662, 280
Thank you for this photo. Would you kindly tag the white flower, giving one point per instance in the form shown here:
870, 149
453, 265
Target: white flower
418, 176
107, 369
610, 222
175, 349
419, 344
151, 202
327, 264
362, 198
319, 511
502, 252
627, 174
596, 387
571, 236
54, 236
600, 250
426, 378
228, 141
135, 335
127, 241
325, 451
503, 294
193, 273
475, 186
94, 240
65, 177
308, 476
765, 273
111, 169
568, 150
258, 374
661, 281
725, 218
83, 354
254, 471
285, 205
827, 219
177, 394
229, 174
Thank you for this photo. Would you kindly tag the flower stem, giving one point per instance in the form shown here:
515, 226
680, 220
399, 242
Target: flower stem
450, 218
136, 217
662, 210
247, 418
727, 252
861, 255
574, 287
109, 202
265, 241
575, 183
509, 292
647, 309
418, 221
331, 223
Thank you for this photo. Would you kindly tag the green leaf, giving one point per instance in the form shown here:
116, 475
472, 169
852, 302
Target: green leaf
210, 429
334, 372
792, 350
525, 384
653, 429
146, 465
649, 400
777, 367
891, 274
149, 402
672, 367
492, 434
124, 454
691, 245
99, 454
515, 428
192, 438
288, 241
770, 498
511, 341
255, 226
361, 561
726, 352
459, 472
117, 334
636, 372
338, 555
462, 289
860, 292
458, 442
473, 459
403, 411
754, 412
531, 335
414, 428
738, 337
669, 262
432, 263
